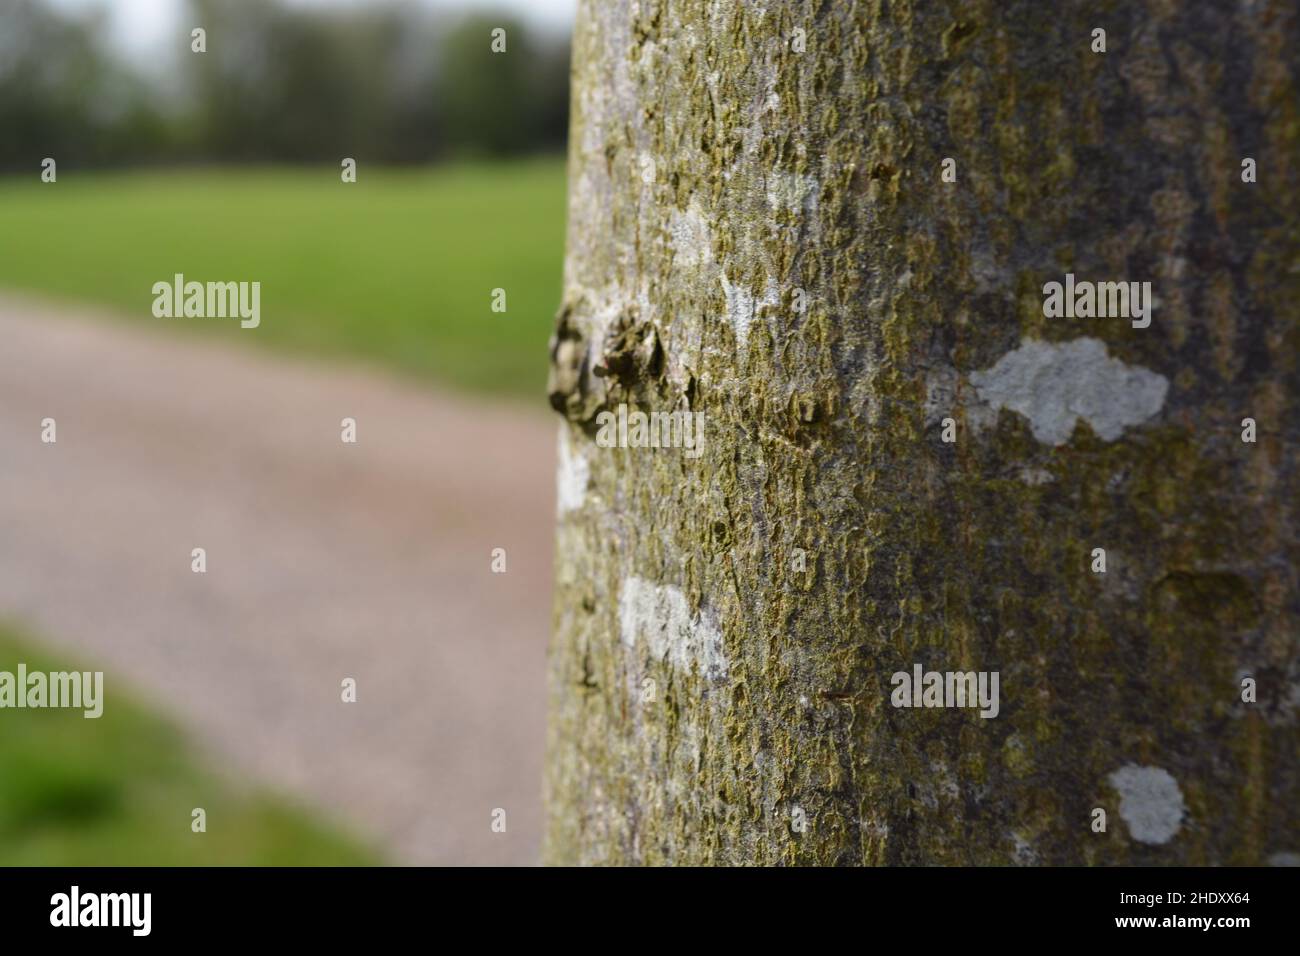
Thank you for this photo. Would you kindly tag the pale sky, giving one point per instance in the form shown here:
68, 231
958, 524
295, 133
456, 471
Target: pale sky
143, 26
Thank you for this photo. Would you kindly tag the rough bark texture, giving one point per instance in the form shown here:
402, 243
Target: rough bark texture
716, 171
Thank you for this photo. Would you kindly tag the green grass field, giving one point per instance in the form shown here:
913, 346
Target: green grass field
397, 268
119, 790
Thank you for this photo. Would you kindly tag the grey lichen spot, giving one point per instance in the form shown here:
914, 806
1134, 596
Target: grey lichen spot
1024, 853
1150, 802
987, 270
1036, 476
660, 614
1284, 859
940, 393
1054, 384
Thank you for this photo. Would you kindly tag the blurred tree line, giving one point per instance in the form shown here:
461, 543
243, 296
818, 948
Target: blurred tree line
388, 83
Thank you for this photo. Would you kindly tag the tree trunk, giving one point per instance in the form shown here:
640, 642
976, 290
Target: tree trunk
906, 461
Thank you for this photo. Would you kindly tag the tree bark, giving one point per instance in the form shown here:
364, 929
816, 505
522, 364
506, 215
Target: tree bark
760, 230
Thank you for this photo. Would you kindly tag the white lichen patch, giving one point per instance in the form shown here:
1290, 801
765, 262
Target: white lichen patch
742, 307
1054, 384
1150, 802
1036, 476
572, 473
691, 237
659, 615
791, 192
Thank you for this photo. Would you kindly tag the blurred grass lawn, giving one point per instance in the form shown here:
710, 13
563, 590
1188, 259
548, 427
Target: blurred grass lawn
118, 791
397, 268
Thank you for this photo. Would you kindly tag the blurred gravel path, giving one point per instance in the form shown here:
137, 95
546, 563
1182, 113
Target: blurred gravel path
325, 561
